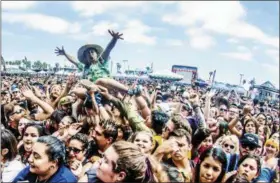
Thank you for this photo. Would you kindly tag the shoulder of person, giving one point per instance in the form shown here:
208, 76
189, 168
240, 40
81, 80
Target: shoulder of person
64, 175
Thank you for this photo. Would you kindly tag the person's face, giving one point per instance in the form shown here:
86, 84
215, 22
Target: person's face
276, 136
144, 142
67, 108
261, 120
116, 112
120, 134
239, 126
17, 114
250, 127
91, 56
169, 127
75, 150
55, 92
99, 137
269, 121
213, 126
21, 124
210, 170
223, 111
29, 138
247, 149
63, 125
181, 149
261, 132
249, 169
105, 166
16, 95
213, 112
228, 147
233, 112
271, 150
39, 160
259, 150
208, 142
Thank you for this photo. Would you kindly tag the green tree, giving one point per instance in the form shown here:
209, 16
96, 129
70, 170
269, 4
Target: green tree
44, 66
37, 65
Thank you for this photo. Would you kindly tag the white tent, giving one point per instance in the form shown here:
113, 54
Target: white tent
166, 74
31, 71
43, 72
61, 73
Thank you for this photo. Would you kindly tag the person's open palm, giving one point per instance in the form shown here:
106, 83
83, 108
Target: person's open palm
115, 35
59, 51
27, 92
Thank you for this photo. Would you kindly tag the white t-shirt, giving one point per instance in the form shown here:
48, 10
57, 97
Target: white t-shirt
11, 169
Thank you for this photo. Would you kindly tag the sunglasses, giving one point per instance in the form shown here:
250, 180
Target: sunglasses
227, 145
74, 149
17, 112
225, 110
251, 148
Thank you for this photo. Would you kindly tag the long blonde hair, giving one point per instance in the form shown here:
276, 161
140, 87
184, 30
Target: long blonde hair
138, 166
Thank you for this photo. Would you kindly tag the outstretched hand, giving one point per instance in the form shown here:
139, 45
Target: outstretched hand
59, 51
115, 35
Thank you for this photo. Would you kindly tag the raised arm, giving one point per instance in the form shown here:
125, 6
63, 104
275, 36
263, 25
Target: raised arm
111, 45
48, 110
61, 51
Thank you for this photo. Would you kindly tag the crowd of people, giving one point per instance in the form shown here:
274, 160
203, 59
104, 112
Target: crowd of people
99, 129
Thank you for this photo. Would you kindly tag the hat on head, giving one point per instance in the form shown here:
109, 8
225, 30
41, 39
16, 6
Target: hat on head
81, 51
250, 139
15, 89
65, 100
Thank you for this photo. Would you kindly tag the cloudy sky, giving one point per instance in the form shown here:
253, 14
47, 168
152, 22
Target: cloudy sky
232, 37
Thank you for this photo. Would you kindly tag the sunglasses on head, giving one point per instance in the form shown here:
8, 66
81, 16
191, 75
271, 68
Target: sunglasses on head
227, 145
17, 112
74, 149
251, 148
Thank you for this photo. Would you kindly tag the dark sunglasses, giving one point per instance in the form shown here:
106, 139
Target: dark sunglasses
74, 149
225, 110
251, 148
231, 146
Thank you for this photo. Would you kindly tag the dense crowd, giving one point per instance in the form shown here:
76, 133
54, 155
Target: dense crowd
98, 129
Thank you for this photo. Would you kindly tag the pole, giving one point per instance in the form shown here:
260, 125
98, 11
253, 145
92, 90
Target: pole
214, 75
241, 75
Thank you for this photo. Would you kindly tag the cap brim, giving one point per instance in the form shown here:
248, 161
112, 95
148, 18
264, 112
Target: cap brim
245, 142
81, 51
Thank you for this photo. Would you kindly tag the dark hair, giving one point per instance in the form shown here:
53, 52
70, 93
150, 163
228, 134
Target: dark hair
250, 156
159, 119
8, 140
40, 128
82, 138
200, 135
217, 154
56, 148
222, 101
127, 131
237, 179
110, 129
182, 133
